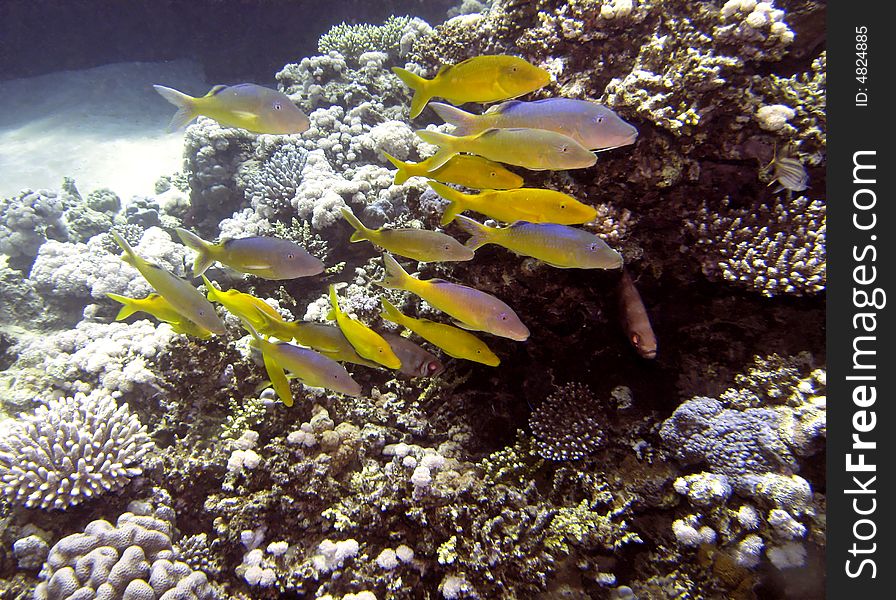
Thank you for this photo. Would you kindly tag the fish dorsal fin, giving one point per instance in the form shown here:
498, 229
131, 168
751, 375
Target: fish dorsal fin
216, 90
499, 108
444, 69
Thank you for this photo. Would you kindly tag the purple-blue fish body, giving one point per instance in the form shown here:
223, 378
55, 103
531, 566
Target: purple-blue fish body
592, 125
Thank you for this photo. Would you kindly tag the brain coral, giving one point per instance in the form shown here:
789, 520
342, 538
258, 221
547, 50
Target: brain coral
71, 450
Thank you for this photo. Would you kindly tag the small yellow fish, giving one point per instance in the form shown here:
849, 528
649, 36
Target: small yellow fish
248, 106
162, 310
464, 169
326, 339
524, 204
558, 245
368, 343
268, 258
473, 309
455, 342
418, 244
534, 149
245, 306
180, 294
310, 367
477, 79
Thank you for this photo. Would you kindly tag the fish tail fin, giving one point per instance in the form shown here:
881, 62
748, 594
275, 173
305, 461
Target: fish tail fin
129, 255
395, 277
461, 119
480, 235
419, 85
127, 310
186, 111
390, 313
361, 232
402, 174
445, 143
455, 198
204, 258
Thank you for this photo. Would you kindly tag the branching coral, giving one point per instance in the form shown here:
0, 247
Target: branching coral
70, 451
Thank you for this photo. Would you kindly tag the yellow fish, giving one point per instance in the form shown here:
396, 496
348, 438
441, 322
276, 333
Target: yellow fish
524, 204
265, 257
248, 106
534, 149
326, 339
478, 79
307, 365
464, 169
558, 245
180, 294
245, 306
418, 244
368, 343
162, 310
455, 342
472, 308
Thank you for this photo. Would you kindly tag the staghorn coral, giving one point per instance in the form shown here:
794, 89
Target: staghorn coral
394, 37
777, 249
74, 449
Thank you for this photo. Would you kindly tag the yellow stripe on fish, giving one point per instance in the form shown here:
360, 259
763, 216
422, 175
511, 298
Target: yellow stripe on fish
161, 309
368, 343
265, 257
453, 341
478, 79
246, 105
185, 299
557, 245
523, 204
534, 149
418, 244
473, 309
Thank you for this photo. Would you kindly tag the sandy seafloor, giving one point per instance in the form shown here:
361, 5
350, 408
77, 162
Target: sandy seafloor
105, 127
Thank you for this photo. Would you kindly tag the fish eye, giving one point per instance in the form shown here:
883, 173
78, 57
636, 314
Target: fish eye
599, 120
432, 367
290, 256
562, 206
592, 247
277, 106
447, 247
564, 148
636, 339
493, 174
503, 316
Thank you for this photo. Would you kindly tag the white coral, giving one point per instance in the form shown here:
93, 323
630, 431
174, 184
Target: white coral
71, 450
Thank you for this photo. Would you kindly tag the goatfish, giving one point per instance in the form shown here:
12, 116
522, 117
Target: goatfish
246, 105
242, 305
162, 310
418, 244
472, 308
310, 367
183, 297
463, 169
415, 361
592, 125
453, 341
557, 245
326, 339
478, 79
524, 204
635, 321
368, 343
265, 257
534, 149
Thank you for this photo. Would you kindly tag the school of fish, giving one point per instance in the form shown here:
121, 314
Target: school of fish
548, 134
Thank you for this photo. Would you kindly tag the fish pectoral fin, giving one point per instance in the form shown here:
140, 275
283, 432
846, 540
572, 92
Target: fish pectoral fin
465, 326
